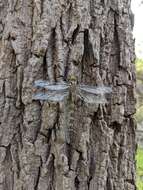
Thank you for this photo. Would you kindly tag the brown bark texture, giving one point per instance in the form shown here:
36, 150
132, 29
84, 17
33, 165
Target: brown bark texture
52, 39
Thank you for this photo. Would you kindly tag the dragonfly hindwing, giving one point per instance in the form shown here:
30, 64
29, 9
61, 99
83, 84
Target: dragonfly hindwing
51, 97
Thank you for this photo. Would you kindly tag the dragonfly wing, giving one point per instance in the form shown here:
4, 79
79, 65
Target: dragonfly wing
41, 83
96, 90
40, 96
51, 97
92, 98
58, 97
58, 86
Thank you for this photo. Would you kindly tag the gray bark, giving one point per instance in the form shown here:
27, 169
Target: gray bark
44, 39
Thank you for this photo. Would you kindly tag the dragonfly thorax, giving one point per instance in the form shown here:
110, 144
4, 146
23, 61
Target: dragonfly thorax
73, 87
72, 92
72, 80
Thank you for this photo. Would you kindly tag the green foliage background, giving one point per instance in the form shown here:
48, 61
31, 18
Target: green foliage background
139, 159
139, 72
139, 117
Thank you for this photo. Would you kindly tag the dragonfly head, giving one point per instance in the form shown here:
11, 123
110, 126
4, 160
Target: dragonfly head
72, 80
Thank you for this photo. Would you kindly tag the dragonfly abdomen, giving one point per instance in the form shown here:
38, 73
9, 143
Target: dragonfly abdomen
71, 127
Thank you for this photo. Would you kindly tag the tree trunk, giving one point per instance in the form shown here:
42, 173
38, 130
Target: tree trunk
52, 40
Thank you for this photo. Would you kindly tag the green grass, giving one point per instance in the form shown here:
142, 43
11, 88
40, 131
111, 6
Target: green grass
139, 158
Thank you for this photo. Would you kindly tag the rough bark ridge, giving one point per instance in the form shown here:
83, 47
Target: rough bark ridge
44, 39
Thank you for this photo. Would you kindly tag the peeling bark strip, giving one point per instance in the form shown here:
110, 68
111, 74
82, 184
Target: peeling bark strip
43, 39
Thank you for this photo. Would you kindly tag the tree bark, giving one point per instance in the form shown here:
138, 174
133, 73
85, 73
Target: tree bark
52, 40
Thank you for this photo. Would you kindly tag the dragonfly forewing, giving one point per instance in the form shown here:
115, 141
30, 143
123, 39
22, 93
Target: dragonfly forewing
53, 86
96, 90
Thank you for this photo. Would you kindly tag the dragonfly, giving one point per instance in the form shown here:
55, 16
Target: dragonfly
71, 90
